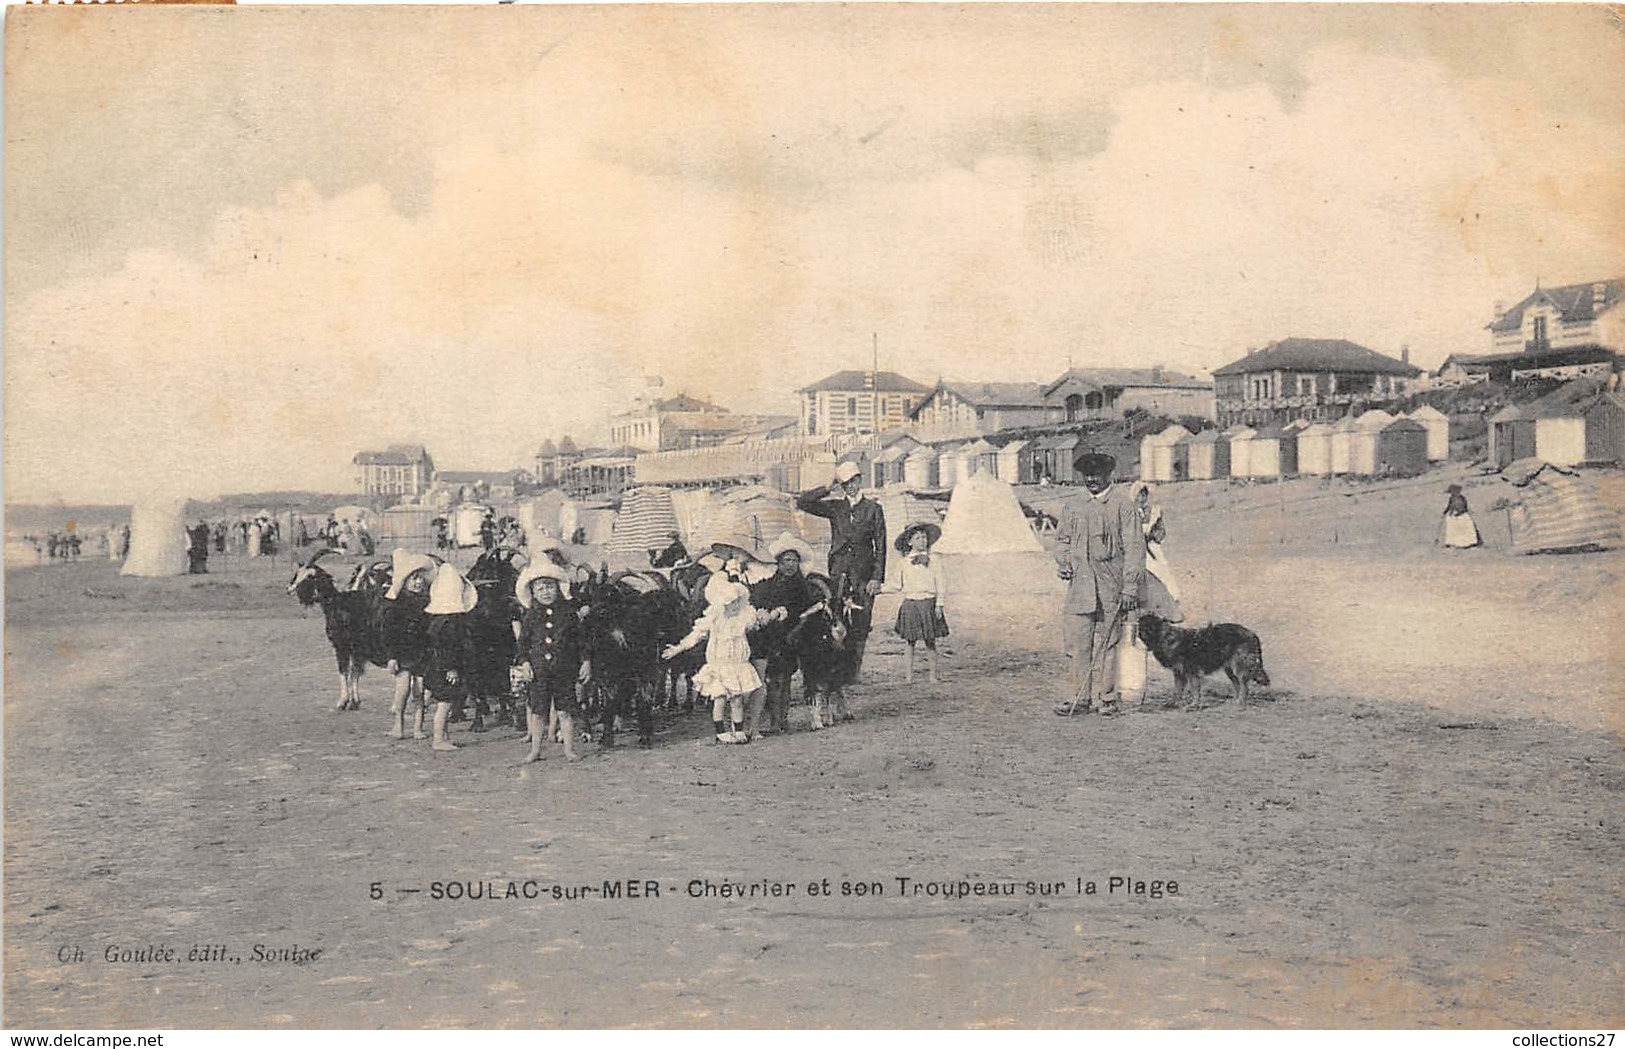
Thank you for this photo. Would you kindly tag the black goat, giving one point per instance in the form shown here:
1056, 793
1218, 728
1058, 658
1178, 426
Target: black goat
623, 634
494, 576
820, 639
352, 624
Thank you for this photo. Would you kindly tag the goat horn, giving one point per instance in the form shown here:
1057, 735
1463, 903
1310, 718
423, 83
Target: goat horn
310, 562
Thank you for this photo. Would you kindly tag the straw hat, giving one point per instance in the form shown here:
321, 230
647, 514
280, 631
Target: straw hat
541, 568
451, 594
932, 534
403, 564
846, 471
741, 547
787, 542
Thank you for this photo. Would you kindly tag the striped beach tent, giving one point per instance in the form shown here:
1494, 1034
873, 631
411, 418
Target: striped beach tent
1555, 510
645, 522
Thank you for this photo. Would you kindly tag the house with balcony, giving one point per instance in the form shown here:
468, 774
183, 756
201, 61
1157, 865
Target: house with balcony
962, 409
669, 423
1084, 394
1572, 316
400, 473
1311, 379
858, 402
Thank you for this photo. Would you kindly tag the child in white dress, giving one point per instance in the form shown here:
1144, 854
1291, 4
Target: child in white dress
728, 676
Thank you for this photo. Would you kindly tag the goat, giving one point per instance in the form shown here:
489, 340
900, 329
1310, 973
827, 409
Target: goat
820, 640
623, 635
353, 624
491, 626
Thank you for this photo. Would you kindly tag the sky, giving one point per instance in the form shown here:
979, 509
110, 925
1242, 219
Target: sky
244, 244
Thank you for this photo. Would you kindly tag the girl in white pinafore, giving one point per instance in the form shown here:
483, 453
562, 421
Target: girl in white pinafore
728, 676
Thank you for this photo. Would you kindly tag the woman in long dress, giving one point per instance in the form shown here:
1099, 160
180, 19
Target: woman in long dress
1457, 531
1161, 592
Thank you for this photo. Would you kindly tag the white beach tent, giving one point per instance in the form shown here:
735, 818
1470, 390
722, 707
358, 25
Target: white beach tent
157, 538
920, 468
1438, 427
1000, 581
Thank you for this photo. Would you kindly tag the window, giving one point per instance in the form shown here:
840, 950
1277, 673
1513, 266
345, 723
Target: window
851, 406
1540, 333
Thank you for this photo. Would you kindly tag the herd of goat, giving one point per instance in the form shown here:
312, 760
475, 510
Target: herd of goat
627, 619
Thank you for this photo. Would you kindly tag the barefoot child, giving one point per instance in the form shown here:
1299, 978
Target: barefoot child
728, 676
451, 646
551, 657
918, 576
405, 634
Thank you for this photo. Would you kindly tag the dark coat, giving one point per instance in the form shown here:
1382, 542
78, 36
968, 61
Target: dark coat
857, 546
551, 641
794, 594
405, 630
451, 648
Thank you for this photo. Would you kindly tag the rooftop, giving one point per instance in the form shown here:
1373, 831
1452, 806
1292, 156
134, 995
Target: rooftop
1575, 303
1318, 355
857, 381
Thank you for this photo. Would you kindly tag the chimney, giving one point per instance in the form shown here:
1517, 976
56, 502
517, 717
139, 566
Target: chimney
1599, 295
868, 380
1405, 354
1156, 375
1500, 308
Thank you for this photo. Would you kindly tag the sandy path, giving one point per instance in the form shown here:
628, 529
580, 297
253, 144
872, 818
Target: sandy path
1342, 860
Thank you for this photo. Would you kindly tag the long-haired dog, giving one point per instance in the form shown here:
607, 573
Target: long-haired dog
1194, 654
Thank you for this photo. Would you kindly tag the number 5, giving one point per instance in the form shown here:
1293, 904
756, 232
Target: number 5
377, 890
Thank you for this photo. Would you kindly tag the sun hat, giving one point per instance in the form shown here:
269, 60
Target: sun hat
451, 593
846, 471
932, 534
788, 541
541, 568
720, 591
404, 564
736, 546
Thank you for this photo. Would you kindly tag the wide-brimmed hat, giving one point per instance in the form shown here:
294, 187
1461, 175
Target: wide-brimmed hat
846, 471
541, 568
404, 564
787, 542
737, 546
932, 534
1094, 464
451, 593
720, 591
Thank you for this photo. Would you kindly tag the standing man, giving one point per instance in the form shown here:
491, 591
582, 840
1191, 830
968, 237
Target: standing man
857, 548
1103, 559
197, 549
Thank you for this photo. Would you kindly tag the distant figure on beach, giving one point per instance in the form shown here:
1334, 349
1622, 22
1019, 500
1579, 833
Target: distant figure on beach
197, 548
1457, 530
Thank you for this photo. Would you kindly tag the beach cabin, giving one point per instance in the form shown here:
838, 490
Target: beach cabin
1014, 466
920, 468
1438, 428
1363, 442
1209, 456
1268, 452
1240, 450
1157, 453
1402, 449
1055, 455
1182, 456
1342, 439
1605, 430
982, 456
1315, 450
1512, 436
887, 467
1560, 435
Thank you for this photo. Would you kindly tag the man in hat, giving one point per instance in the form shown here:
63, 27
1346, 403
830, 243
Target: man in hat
197, 549
1103, 560
857, 548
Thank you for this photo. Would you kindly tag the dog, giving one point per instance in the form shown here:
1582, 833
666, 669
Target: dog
1194, 654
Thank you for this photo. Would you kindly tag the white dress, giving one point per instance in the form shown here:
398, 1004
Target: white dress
727, 670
